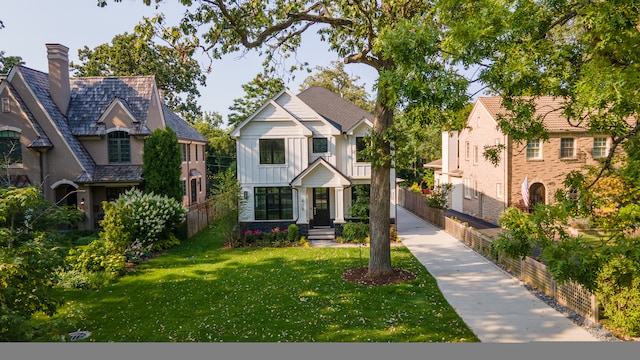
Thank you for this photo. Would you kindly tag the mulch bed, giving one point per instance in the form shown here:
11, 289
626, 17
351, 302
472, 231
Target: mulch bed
359, 276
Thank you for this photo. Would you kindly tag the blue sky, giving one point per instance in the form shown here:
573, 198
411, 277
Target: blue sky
30, 24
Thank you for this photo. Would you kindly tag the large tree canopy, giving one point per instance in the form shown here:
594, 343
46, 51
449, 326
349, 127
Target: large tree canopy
177, 73
379, 34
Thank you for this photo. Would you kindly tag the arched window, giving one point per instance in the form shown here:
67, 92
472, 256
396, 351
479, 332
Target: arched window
10, 147
119, 147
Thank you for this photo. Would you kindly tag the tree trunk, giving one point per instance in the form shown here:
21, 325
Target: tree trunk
379, 218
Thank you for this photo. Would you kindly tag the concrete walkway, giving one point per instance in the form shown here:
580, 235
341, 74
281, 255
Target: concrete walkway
494, 304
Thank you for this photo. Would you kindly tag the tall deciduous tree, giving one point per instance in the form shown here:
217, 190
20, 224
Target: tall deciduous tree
336, 79
162, 164
379, 34
177, 73
256, 92
221, 148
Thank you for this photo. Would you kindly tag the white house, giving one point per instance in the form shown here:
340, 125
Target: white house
298, 161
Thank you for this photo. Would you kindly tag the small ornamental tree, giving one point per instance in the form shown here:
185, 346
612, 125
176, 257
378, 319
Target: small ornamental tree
161, 167
28, 258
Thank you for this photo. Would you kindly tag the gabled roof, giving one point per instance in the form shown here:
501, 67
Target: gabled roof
305, 130
38, 82
183, 130
343, 114
92, 96
548, 108
320, 162
42, 141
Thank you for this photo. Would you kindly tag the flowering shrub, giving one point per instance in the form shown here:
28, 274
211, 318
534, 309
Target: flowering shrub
275, 237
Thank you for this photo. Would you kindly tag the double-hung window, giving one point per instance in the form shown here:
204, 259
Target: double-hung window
567, 149
533, 150
271, 151
599, 147
361, 145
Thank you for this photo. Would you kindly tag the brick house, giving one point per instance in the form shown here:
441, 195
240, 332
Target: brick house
81, 139
483, 190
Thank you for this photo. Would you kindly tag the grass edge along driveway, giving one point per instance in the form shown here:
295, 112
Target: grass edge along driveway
200, 292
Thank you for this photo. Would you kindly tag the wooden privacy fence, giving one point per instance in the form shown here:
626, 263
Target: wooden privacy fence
417, 204
200, 216
530, 271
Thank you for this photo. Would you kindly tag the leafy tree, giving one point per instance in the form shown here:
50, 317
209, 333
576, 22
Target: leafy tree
173, 66
336, 79
162, 164
221, 148
381, 34
7, 62
257, 91
28, 258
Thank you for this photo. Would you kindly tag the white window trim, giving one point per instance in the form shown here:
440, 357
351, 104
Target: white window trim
475, 189
6, 105
499, 190
467, 150
467, 188
476, 155
606, 147
539, 157
573, 154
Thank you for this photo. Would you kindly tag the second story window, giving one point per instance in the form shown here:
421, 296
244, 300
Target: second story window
361, 145
119, 147
533, 150
467, 150
271, 151
567, 150
599, 147
475, 154
320, 145
10, 147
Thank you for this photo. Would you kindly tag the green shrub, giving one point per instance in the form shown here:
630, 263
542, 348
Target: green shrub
167, 243
355, 232
76, 279
99, 255
619, 293
439, 198
293, 233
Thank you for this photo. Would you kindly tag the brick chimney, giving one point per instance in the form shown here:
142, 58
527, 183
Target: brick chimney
58, 56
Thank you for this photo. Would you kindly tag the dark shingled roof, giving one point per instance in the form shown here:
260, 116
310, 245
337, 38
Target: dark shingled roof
113, 174
42, 141
332, 107
91, 96
39, 83
183, 130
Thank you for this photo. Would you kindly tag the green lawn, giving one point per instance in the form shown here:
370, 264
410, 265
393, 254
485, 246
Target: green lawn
200, 292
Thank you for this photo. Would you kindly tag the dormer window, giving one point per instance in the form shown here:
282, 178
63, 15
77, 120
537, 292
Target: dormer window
320, 145
119, 147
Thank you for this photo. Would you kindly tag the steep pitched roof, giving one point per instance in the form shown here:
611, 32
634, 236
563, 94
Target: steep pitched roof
39, 84
332, 107
91, 96
183, 130
547, 107
42, 141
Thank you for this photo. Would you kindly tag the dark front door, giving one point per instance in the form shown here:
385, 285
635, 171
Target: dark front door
321, 207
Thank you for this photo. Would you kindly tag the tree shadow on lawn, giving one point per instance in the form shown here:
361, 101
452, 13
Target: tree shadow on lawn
267, 295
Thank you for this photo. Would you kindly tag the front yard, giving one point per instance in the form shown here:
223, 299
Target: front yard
199, 291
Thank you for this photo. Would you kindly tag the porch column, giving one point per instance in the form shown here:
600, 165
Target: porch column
339, 191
